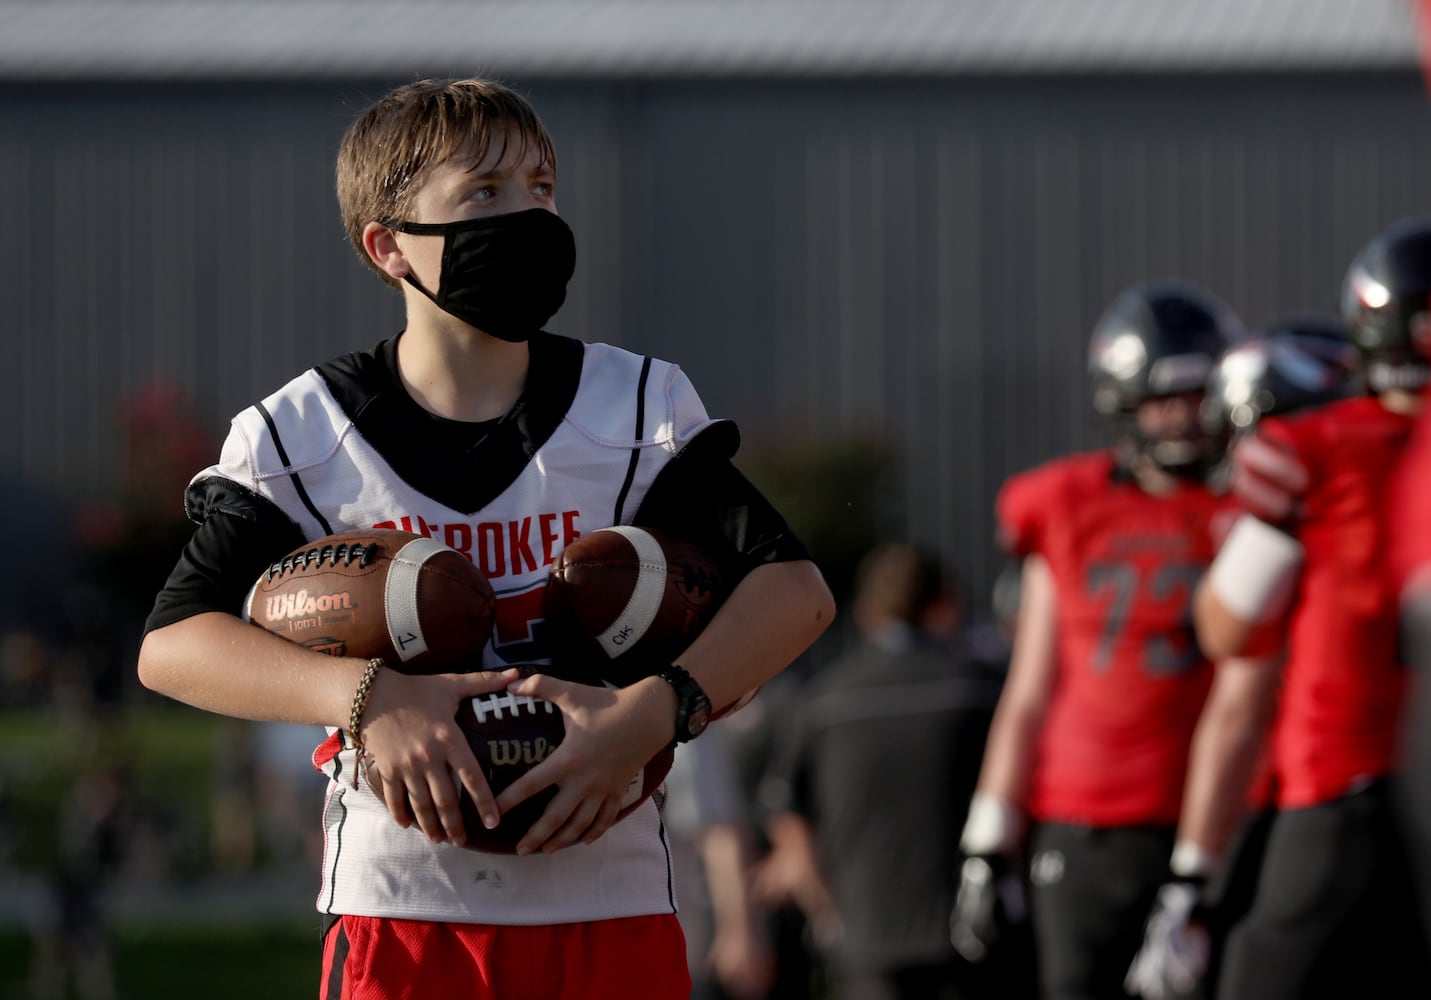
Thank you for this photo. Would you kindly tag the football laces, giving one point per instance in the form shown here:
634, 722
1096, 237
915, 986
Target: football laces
509, 703
342, 554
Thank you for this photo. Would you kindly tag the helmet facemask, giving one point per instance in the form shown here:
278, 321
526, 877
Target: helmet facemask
1157, 342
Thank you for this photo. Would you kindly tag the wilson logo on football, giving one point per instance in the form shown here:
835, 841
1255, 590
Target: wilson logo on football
281, 607
505, 753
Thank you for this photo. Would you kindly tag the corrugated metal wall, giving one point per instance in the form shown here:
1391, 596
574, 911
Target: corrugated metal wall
913, 261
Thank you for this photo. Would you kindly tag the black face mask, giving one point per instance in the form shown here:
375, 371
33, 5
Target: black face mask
504, 274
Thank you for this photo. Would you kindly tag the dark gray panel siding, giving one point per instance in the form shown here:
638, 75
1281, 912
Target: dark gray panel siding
914, 261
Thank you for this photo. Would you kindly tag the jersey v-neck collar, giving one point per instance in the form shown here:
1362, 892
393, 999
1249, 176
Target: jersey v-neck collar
463, 466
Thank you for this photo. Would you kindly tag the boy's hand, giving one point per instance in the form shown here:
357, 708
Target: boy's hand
610, 736
415, 748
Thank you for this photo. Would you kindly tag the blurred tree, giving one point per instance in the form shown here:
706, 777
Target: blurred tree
839, 497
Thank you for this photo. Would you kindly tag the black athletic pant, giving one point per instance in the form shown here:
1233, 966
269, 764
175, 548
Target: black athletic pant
1091, 891
1334, 915
1231, 892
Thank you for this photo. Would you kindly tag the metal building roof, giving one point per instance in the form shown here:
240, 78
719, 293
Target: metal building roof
223, 39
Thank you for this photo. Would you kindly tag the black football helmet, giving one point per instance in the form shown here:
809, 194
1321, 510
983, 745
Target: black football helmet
1156, 340
1293, 363
1386, 300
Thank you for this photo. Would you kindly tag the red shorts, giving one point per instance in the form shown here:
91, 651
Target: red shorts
375, 958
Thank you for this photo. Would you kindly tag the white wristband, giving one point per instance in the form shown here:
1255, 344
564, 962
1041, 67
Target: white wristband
1191, 860
1255, 570
993, 827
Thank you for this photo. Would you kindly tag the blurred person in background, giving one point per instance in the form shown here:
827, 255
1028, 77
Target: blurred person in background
1305, 565
753, 736
1083, 770
728, 942
878, 759
1293, 363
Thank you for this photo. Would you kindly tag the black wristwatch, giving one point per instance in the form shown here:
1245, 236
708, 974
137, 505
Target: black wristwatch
693, 710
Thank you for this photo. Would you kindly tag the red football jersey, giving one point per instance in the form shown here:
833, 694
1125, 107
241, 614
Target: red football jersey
1343, 683
1131, 679
1410, 524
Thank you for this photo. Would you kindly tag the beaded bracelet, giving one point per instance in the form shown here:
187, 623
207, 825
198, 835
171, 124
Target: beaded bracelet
355, 717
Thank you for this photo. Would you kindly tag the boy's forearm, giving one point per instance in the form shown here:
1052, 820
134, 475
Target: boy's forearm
214, 661
771, 617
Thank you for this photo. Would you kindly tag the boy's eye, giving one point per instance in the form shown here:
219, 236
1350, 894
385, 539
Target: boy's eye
543, 189
484, 193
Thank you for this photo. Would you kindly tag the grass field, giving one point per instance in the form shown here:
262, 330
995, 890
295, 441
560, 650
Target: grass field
172, 757
217, 963
166, 753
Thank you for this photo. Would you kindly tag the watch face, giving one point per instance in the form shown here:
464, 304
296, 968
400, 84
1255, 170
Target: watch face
698, 719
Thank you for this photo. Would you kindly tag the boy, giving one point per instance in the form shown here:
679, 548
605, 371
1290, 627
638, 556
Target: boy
476, 427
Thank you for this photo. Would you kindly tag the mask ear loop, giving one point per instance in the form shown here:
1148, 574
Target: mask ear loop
443, 229
411, 279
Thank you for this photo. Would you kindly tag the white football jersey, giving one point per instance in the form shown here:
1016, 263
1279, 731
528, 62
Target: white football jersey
335, 450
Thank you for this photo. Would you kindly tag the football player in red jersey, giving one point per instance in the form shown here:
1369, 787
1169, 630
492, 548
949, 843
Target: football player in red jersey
1294, 363
1090, 739
1333, 913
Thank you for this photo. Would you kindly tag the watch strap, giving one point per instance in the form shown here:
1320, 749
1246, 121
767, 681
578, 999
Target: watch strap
691, 701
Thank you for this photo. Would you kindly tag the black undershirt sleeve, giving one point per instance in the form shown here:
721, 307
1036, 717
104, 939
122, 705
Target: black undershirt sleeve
240, 534
702, 497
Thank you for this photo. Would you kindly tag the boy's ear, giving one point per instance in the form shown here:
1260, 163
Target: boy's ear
381, 244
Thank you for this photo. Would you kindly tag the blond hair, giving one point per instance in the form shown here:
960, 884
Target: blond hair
392, 148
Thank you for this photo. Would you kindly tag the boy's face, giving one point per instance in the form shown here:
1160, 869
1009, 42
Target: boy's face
512, 177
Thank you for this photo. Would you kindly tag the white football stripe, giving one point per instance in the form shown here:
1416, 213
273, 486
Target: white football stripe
400, 597
640, 610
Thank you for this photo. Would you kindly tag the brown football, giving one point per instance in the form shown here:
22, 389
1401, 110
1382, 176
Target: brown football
623, 602
420, 605
509, 735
